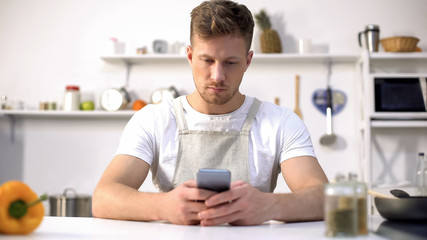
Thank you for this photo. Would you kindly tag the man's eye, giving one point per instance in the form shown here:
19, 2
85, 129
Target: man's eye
230, 63
208, 60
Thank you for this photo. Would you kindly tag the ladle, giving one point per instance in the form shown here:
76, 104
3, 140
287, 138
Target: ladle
329, 137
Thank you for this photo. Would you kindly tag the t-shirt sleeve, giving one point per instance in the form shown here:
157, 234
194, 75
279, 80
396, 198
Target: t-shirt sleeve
138, 136
296, 138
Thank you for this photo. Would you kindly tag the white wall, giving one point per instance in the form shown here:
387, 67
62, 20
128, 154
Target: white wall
47, 44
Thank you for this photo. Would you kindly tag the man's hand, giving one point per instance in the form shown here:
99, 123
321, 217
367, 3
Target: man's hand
241, 205
183, 203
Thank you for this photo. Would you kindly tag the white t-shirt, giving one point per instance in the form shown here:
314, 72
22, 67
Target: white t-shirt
277, 134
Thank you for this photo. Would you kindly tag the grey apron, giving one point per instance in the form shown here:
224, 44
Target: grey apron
212, 149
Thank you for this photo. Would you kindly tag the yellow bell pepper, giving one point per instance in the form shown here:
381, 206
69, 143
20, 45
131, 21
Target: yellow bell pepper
21, 211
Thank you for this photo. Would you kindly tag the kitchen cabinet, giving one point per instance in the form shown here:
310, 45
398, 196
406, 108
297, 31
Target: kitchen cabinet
373, 123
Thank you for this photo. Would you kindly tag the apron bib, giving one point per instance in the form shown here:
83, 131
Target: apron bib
212, 149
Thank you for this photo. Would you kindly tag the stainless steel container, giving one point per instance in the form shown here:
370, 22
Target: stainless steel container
372, 38
70, 204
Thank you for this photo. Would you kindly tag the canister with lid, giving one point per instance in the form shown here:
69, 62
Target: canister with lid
362, 207
340, 208
71, 98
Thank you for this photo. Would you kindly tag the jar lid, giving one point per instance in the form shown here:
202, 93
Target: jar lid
72, 87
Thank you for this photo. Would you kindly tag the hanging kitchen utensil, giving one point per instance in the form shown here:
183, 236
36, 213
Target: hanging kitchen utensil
339, 100
163, 94
320, 96
297, 109
114, 99
328, 138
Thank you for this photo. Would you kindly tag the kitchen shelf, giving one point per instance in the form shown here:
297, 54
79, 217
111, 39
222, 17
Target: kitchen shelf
399, 75
399, 115
78, 114
385, 65
398, 56
306, 58
138, 59
258, 57
97, 115
398, 124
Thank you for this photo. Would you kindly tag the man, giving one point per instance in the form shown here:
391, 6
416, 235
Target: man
216, 126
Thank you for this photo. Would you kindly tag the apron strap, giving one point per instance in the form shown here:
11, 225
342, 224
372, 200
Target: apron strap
179, 114
251, 115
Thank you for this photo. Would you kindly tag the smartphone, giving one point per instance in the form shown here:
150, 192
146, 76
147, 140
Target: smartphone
217, 180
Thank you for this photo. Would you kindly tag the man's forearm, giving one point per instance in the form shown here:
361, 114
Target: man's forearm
303, 205
117, 201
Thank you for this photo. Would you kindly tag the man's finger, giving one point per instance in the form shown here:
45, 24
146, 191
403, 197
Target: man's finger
237, 183
190, 183
218, 219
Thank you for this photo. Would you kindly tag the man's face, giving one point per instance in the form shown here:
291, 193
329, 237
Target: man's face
218, 66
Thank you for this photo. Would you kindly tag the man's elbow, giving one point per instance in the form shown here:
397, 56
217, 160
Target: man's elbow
97, 208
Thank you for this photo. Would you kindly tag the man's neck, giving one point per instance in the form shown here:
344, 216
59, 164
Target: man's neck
200, 105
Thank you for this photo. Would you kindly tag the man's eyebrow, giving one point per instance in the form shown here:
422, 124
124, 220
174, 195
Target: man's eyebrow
228, 58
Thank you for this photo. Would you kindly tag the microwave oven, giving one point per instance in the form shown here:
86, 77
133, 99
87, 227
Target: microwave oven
400, 94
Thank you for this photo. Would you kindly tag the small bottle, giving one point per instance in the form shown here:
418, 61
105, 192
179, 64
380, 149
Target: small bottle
340, 208
71, 98
3, 102
362, 204
421, 175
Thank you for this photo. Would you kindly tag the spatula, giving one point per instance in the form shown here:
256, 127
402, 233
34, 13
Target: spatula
297, 110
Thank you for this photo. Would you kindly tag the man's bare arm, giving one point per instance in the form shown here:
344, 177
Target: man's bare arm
117, 197
245, 205
306, 180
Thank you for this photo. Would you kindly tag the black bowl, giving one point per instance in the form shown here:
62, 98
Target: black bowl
402, 209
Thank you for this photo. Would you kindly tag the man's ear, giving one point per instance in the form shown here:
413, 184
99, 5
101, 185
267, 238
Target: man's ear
249, 59
189, 54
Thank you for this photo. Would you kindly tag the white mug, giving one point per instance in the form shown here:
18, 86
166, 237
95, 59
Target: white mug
304, 45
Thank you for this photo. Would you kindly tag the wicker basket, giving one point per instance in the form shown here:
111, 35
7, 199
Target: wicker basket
400, 44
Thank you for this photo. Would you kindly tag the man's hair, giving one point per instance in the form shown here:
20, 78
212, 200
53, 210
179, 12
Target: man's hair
218, 18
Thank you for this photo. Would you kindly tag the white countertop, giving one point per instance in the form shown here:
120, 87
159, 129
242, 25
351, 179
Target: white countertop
95, 228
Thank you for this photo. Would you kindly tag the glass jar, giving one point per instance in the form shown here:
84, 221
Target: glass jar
362, 207
340, 208
71, 98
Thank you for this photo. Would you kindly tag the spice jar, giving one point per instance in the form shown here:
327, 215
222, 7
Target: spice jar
340, 208
71, 98
362, 207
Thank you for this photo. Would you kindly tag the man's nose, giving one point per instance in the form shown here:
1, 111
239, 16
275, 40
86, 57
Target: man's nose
218, 73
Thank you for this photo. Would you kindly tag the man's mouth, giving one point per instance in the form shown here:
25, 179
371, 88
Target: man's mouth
216, 89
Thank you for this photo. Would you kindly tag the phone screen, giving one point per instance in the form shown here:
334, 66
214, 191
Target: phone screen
217, 180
